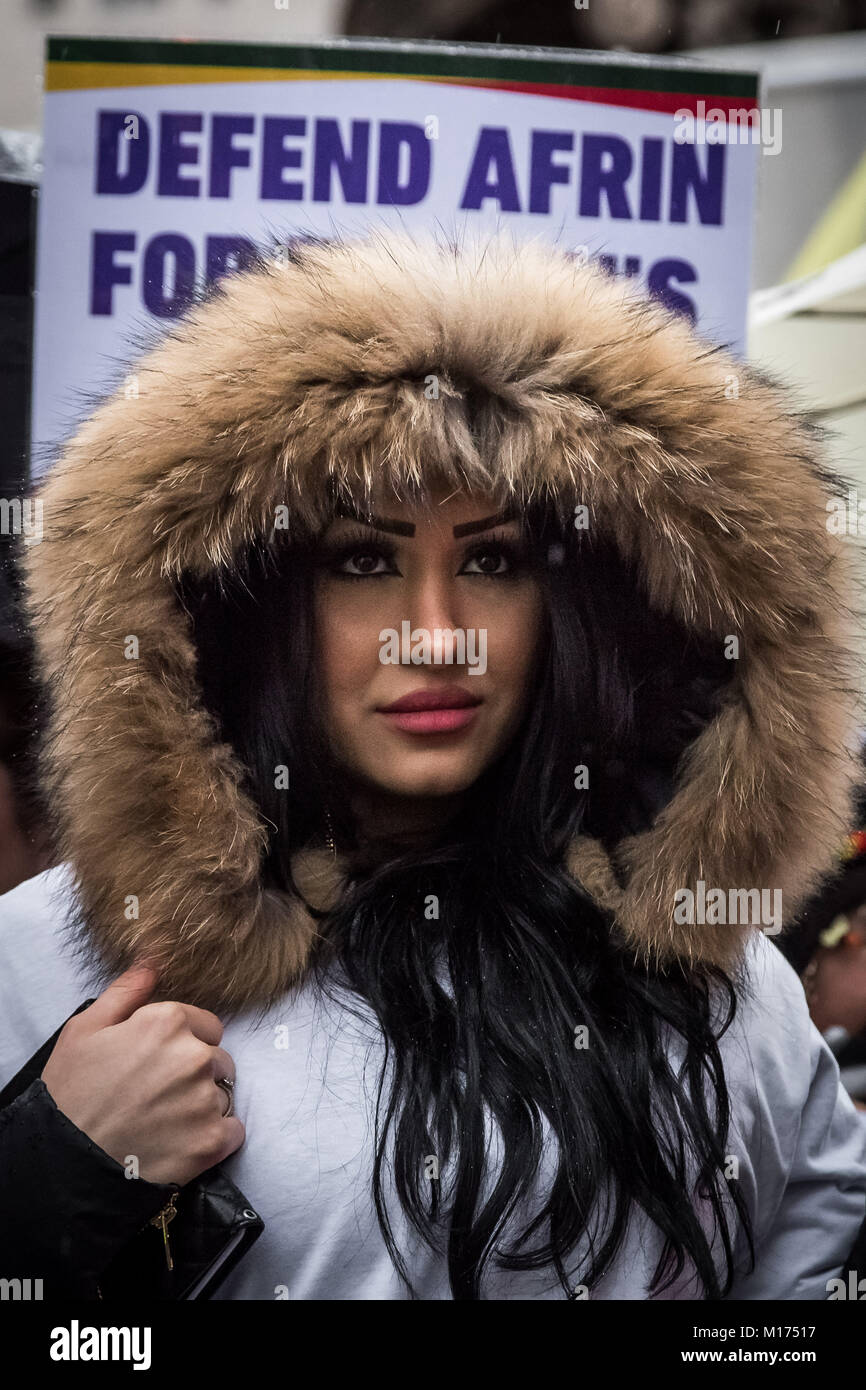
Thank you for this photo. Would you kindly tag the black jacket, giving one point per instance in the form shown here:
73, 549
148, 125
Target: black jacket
70, 1217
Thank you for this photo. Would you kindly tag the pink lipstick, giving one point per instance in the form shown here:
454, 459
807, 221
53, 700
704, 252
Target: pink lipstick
439, 711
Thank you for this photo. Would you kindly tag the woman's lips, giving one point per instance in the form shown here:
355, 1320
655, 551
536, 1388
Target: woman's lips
431, 721
438, 711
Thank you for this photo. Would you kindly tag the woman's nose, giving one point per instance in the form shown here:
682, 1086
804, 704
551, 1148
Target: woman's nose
433, 601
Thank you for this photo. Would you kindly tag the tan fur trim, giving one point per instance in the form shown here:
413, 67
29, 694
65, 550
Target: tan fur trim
588, 862
304, 373
320, 877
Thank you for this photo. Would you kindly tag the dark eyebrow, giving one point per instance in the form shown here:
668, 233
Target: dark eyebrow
381, 523
469, 528
407, 528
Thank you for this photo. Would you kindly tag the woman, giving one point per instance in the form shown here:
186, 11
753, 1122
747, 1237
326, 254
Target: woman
482, 944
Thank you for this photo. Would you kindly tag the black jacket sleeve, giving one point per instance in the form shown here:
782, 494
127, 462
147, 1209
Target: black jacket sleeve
66, 1206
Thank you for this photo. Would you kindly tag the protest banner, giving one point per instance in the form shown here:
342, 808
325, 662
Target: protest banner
167, 163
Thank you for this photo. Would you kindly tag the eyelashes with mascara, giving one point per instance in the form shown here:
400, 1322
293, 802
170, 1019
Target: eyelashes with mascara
367, 542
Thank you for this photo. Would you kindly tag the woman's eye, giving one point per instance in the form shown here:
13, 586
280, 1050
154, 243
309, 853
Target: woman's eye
374, 560
365, 561
491, 560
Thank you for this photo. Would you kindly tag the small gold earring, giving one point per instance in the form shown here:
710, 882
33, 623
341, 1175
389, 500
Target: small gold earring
329, 834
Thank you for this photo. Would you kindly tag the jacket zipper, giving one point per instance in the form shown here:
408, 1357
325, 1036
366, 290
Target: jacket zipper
162, 1218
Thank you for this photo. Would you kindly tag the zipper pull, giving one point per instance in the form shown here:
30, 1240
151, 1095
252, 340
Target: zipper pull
162, 1219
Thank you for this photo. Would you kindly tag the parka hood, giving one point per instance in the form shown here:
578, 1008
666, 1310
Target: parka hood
311, 369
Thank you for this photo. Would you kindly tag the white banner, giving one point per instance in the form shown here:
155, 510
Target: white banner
166, 163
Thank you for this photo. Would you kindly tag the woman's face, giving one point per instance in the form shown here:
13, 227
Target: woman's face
449, 582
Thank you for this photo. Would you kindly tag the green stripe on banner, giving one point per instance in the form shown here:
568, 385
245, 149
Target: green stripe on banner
423, 60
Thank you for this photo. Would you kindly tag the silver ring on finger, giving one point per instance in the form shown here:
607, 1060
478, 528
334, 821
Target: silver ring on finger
226, 1084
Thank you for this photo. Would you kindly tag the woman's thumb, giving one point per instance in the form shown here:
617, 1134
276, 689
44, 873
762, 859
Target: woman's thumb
123, 996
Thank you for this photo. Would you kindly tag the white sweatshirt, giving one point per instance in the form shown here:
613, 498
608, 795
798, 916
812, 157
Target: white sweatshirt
306, 1079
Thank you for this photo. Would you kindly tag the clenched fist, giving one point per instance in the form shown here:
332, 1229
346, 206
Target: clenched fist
139, 1078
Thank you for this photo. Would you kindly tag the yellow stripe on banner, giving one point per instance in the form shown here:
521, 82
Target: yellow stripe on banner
76, 77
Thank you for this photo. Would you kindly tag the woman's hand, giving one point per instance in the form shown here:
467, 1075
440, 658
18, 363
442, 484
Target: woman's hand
139, 1080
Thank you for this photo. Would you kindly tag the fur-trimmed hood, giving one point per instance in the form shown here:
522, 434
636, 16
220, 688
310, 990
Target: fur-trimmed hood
312, 368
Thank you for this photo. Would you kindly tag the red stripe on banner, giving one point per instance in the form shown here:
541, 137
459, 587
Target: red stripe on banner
668, 102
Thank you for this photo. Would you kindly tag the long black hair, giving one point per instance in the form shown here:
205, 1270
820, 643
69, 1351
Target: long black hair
480, 955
